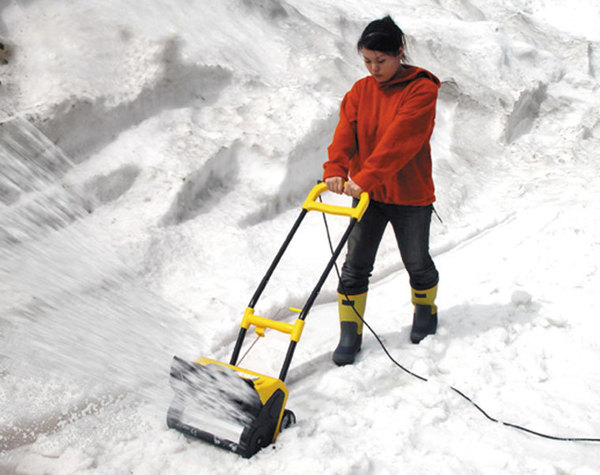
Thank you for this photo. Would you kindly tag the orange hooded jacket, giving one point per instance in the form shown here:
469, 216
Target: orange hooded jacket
382, 139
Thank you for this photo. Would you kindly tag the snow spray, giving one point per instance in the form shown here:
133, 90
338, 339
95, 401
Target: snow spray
70, 309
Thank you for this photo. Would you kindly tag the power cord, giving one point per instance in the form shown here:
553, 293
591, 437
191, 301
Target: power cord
422, 378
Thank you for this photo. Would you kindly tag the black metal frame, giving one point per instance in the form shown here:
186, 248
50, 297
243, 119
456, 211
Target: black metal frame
311, 299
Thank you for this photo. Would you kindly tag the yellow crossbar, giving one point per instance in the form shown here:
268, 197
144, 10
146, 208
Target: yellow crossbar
294, 330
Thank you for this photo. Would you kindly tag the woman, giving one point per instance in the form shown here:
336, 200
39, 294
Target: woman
381, 146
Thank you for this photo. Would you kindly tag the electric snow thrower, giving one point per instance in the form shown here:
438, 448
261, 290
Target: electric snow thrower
236, 408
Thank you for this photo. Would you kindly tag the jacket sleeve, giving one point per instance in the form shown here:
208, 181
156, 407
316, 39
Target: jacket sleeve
344, 144
405, 136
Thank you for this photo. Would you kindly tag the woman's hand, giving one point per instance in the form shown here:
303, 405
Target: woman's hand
335, 184
352, 189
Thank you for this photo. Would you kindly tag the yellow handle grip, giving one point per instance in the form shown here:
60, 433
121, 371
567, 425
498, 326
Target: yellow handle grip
310, 204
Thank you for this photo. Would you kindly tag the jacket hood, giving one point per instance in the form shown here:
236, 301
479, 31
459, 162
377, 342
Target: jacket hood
408, 73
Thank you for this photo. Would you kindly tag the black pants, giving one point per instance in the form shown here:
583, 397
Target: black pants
411, 227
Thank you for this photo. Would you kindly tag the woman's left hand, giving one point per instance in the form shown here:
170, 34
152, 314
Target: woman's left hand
352, 189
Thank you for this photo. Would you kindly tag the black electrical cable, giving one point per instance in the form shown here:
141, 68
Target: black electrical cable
457, 391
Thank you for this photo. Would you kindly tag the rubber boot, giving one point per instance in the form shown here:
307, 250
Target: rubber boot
351, 327
425, 314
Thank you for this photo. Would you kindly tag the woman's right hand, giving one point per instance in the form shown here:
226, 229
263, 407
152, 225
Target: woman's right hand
335, 184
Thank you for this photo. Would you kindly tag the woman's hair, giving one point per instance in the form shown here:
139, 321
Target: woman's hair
383, 35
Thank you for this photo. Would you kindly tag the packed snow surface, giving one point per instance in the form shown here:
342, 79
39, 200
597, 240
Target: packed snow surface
153, 159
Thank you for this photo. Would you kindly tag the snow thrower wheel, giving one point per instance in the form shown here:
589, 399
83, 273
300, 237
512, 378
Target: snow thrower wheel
288, 419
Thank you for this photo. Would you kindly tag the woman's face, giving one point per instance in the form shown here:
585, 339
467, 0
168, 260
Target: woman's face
381, 66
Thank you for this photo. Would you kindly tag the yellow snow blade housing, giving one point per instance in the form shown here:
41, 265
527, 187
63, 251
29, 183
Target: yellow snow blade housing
236, 408
228, 406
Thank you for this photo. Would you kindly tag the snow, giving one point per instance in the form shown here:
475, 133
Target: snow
153, 160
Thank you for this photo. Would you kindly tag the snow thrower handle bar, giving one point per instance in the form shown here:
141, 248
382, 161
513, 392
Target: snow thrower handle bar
295, 330
311, 204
